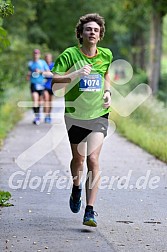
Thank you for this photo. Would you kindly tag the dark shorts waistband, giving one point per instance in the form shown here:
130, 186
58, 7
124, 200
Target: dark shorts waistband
78, 130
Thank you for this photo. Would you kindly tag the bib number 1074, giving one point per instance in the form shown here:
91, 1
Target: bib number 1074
91, 82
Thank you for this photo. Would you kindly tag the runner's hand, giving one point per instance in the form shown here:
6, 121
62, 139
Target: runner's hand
85, 70
37, 70
107, 100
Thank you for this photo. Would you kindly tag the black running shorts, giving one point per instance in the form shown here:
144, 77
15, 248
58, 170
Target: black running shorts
33, 89
78, 130
49, 91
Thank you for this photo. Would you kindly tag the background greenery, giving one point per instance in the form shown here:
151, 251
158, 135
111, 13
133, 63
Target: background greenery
131, 35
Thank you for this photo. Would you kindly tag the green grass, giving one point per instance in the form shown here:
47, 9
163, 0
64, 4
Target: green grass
146, 127
4, 197
10, 113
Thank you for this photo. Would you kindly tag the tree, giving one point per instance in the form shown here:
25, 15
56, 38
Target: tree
19, 24
159, 9
6, 9
57, 19
130, 30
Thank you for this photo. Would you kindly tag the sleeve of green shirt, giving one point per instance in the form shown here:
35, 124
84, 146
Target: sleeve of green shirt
111, 58
62, 63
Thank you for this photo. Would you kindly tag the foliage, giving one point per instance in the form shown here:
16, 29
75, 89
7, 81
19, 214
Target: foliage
10, 113
4, 41
6, 8
146, 127
130, 25
13, 74
65, 15
25, 13
159, 6
165, 35
138, 78
5, 196
162, 93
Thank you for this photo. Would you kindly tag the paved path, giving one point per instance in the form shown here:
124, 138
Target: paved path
132, 215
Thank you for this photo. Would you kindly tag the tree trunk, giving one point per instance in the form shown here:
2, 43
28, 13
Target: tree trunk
138, 50
134, 45
155, 49
142, 52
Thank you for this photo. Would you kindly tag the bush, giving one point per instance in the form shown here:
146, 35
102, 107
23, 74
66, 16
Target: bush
10, 113
162, 93
5, 196
146, 127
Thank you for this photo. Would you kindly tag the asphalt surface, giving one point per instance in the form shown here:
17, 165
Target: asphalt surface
131, 202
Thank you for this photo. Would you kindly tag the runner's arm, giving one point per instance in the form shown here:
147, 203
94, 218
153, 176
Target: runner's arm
107, 92
61, 81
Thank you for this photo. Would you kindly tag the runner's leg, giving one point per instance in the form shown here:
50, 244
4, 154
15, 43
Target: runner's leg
77, 163
94, 145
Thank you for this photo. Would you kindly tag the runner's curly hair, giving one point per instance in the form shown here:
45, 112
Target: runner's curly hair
92, 17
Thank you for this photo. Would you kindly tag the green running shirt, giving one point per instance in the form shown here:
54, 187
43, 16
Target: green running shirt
84, 96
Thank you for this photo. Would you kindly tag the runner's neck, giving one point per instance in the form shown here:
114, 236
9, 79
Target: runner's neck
89, 51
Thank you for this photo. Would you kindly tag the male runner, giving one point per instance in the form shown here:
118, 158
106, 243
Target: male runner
37, 68
83, 71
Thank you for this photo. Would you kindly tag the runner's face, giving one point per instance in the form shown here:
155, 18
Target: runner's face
91, 33
48, 58
36, 56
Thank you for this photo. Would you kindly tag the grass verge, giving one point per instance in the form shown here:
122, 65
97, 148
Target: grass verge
146, 127
10, 113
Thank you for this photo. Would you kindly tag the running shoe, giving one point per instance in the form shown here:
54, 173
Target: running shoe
89, 218
75, 205
48, 119
36, 121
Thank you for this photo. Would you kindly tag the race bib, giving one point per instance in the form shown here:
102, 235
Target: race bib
89, 83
